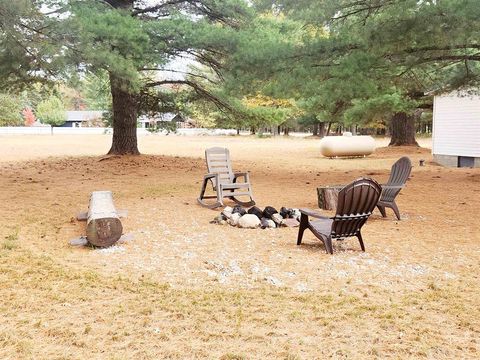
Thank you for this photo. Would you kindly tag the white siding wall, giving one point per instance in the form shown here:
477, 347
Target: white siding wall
456, 125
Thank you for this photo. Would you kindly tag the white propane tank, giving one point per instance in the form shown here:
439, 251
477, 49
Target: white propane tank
347, 145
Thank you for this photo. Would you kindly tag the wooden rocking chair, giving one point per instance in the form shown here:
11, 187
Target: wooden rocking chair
398, 177
224, 180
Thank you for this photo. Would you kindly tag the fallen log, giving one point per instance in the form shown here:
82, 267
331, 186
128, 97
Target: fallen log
328, 196
103, 221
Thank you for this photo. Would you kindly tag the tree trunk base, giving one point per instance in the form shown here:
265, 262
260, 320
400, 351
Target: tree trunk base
124, 141
328, 197
402, 129
114, 150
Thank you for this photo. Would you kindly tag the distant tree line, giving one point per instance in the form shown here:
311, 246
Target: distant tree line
367, 66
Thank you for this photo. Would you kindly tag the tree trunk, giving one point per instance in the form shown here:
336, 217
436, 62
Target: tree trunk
321, 129
328, 197
315, 129
328, 128
274, 130
124, 118
402, 127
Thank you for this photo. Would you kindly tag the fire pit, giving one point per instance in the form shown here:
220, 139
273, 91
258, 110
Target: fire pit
254, 217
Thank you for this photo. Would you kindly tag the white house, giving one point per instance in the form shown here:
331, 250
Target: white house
456, 129
182, 122
80, 118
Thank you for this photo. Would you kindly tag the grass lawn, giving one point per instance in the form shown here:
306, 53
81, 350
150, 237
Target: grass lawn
187, 289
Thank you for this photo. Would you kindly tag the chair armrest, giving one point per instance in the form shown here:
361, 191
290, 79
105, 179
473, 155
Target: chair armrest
245, 175
314, 214
210, 176
392, 186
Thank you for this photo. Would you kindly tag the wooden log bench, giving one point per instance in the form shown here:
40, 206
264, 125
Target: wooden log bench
104, 227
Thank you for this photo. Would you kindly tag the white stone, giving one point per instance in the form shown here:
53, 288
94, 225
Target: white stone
296, 214
277, 219
271, 224
234, 219
227, 212
249, 221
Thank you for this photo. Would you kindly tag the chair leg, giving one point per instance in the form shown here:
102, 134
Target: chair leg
301, 229
360, 239
202, 193
220, 196
243, 203
382, 210
201, 200
395, 210
328, 245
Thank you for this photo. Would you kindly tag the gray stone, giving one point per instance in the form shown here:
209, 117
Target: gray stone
82, 216
264, 223
239, 209
249, 221
267, 223
217, 220
234, 218
80, 241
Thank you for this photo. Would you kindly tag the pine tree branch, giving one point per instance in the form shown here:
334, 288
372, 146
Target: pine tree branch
187, 73
204, 93
156, 8
442, 48
475, 57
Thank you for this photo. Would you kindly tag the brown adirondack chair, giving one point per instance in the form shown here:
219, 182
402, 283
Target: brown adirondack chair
398, 177
356, 202
224, 180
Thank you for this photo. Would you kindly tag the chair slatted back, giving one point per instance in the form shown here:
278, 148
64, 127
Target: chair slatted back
398, 176
356, 201
218, 162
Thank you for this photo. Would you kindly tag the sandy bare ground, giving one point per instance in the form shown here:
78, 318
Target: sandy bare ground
184, 288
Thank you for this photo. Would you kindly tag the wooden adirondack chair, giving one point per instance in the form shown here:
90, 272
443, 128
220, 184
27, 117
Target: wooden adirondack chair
224, 180
398, 177
356, 201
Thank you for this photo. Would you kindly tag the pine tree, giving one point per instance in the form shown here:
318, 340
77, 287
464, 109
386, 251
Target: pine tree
364, 60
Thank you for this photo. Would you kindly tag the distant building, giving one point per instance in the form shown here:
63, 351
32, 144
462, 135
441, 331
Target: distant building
84, 119
456, 130
182, 121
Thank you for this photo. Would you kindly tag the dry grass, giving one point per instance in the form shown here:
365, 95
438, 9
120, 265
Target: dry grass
184, 288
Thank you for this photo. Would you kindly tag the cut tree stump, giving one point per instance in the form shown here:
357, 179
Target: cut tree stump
103, 221
328, 196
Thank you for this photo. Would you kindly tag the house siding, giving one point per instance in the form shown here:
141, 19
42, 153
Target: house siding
456, 126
